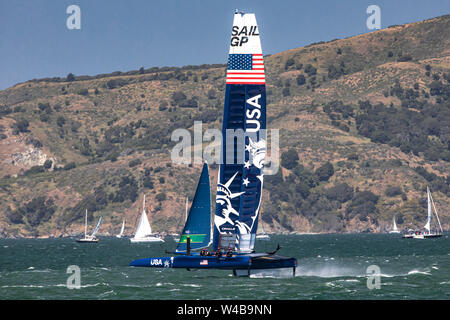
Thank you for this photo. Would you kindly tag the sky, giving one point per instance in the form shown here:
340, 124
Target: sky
123, 35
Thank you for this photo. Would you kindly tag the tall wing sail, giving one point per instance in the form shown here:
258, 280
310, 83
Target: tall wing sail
243, 150
198, 222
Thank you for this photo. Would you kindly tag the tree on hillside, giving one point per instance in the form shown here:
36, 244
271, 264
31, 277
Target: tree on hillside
325, 171
289, 159
70, 77
301, 80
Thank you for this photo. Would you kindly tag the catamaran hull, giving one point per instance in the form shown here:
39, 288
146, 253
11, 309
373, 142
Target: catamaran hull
242, 265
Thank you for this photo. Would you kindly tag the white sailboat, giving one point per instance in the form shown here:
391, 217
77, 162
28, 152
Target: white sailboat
428, 232
394, 229
90, 238
120, 235
144, 230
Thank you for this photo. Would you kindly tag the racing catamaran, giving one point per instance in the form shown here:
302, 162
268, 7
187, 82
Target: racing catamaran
240, 177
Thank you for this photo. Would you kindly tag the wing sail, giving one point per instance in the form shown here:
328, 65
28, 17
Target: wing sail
243, 150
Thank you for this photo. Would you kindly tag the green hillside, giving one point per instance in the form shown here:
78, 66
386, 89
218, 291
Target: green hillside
364, 129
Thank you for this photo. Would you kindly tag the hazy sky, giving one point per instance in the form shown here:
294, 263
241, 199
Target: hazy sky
126, 35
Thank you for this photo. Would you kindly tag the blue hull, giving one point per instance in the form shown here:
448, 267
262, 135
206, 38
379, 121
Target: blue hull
236, 262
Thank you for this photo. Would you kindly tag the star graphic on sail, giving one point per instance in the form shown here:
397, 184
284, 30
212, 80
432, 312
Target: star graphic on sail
257, 152
245, 182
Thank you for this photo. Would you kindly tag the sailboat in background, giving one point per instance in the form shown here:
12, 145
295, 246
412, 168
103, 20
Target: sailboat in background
144, 230
428, 232
394, 229
90, 238
120, 235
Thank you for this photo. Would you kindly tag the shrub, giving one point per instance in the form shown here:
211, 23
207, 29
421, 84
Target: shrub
341, 192
325, 171
134, 163
289, 62
70, 77
48, 164
60, 121
301, 80
393, 191
83, 92
161, 197
70, 165
178, 98
310, 70
289, 159
21, 125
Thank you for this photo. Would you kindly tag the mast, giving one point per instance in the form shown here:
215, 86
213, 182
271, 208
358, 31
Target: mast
85, 226
435, 211
427, 226
186, 216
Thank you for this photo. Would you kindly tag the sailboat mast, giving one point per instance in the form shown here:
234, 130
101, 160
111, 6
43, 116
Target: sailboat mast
186, 210
85, 225
435, 212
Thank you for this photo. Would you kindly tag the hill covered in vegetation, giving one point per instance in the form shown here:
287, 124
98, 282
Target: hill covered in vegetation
364, 129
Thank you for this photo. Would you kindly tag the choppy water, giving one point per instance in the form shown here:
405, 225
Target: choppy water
330, 267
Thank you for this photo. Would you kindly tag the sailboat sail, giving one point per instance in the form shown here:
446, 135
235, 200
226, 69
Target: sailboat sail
96, 228
122, 229
198, 222
243, 150
427, 226
144, 229
395, 225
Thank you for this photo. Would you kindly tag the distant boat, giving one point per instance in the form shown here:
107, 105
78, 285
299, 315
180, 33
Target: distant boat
427, 232
394, 229
90, 238
263, 235
120, 235
144, 230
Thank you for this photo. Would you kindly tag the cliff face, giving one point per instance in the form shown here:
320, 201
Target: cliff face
363, 129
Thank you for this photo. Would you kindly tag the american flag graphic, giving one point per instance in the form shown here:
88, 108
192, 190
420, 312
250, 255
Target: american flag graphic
204, 262
245, 69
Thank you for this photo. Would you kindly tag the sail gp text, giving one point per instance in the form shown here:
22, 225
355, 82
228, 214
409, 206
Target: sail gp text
226, 309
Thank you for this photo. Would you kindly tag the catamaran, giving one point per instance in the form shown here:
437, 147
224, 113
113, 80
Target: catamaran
120, 235
90, 238
394, 229
240, 177
144, 230
428, 232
